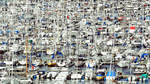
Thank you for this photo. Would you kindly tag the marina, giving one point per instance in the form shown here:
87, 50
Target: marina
74, 41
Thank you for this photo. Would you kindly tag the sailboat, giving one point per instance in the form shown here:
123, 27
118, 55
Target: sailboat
79, 63
22, 62
111, 74
8, 62
123, 63
3, 71
62, 63
148, 66
36, 62
90, 63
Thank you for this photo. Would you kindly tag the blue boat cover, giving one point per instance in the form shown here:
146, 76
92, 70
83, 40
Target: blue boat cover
111, 73
144, 54
136, 60
34, 77
99, 75
53, 56
59, 53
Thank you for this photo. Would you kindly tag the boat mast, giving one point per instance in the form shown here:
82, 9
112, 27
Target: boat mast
12, 52
26, 56
26, 42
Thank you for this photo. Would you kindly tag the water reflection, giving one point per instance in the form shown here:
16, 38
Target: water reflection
88, 82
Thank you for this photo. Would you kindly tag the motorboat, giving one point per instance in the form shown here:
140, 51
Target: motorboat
90, 63
89, 74
62, 76
10, 81
14, 47
62, 63
100, 74
3, 72
2, 64
8, 63
79, 63
106, 58
49, 51
25, 81
140, 69
132, 78
123, 63
3, 47
36, 62
22, 62
19, 70
76, 76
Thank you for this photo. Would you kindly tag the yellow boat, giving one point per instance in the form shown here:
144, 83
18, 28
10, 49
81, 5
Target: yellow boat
51, 63
100, 76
